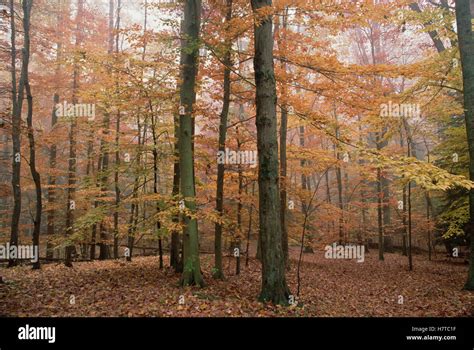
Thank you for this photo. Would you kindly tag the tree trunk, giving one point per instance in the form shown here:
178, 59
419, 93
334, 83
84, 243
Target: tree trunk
339, 188
27, 6
155, 188
237, 238
175, 239
466, 46
117, 152
53, 149
249, 230
227, 62
17, 102
71, 190
274, 287
104, 146
283, 146
189, 63
428, 219
405, 206
52, 183
380, 204
116, 186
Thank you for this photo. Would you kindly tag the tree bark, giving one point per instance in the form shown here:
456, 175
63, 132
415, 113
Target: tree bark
17, 103
274, 287
175, 236
27, 7
466, 46
53, 149
71, 189
227, 62
283, 146
189, 69
117, 152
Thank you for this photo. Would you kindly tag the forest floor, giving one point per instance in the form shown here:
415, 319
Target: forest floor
328, 288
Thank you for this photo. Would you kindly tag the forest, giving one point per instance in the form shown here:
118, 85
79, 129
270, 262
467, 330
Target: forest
236, 158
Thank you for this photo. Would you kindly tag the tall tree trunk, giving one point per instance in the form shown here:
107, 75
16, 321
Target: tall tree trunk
53, 149
104, 252
227, 62
52, 183
155, 188
27, 6
306, 187
380, 204
175, 236
409, 193
363, 199
17, 102
339, 185
249, 230
410, 256
134, 211
405, 206
116, 186
428, 219
237, 238
466, 46
281, 40
189, 63
117, 150
330, 225
274, 287
71, 190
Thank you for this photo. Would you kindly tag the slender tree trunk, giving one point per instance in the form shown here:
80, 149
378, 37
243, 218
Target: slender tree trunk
71, 190
104, 252
237, 238
466, 45
380, 205
283, 146
249, 230
405, 206
155, 188
434, 35
283, 182
227, 62
330, 225
428, 219
175, 239
117, 151
410, 257
274, 287
27, 6
17, 102
52, 183
339, 189
306, 187
53, 149
363, 199
134, 211
189, 62
116, 186
132, 228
